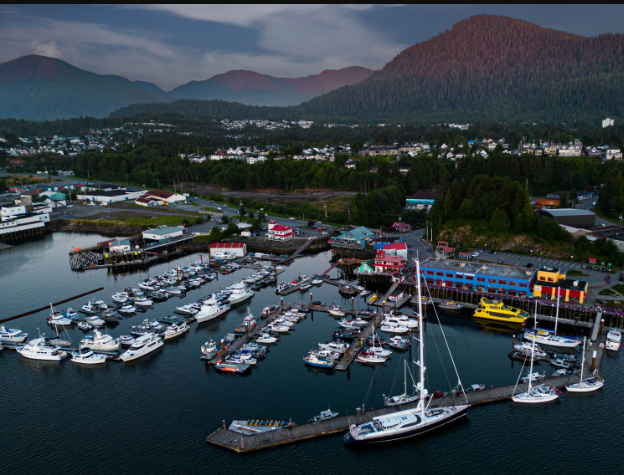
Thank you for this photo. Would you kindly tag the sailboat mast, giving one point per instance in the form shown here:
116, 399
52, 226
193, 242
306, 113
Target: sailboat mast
405, 377
583, 359
533, 348
421, 347
557, 313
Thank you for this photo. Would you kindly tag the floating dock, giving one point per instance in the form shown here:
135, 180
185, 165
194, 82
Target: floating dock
238, 443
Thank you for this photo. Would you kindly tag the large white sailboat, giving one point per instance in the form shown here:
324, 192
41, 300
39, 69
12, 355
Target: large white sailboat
411, 422
546, 337
587, 385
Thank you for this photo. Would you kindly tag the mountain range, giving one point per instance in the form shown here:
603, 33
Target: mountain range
485, 68
41, 88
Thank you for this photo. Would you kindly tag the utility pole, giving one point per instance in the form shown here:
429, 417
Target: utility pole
349, 211
325, 206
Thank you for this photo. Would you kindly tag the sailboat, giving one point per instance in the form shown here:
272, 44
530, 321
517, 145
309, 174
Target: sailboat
538, 394
585, 385
411, 422
403, 398
546, 337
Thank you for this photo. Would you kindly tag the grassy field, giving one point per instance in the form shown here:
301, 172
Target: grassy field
608, 292
137, 221
16, 180
575, 273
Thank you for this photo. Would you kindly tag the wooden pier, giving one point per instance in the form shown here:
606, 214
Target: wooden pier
239, 443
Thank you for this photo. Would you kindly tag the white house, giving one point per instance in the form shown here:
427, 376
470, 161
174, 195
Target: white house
119, 246
279, 232
166, 232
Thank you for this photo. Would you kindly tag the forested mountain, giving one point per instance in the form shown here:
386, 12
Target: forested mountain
486, 67
150, 86
249, 87
41, 88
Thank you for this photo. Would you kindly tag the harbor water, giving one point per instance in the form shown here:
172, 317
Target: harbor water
153, 415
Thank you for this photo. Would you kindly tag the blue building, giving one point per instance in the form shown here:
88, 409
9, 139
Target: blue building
494, 279
354, 239
422, 199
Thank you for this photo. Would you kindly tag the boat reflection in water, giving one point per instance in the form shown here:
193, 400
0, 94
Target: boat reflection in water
496, 328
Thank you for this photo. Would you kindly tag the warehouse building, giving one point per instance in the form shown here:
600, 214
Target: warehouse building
577, 218
165, 232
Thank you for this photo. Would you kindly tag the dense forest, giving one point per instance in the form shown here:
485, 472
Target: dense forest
485, 67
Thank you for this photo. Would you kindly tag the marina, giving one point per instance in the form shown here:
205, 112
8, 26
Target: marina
319, 389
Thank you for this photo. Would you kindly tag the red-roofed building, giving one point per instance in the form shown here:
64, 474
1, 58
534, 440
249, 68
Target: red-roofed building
397, 249
239, 249
386, 263
279, 232
401, 227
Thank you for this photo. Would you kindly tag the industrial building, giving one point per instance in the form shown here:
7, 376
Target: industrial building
160, 198
160, 234
114, 196
576, 218
239, 249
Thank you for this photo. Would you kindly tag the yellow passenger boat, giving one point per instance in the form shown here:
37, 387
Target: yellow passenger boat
497, 311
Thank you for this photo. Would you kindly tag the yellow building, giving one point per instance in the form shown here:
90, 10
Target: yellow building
550, 275
552, 280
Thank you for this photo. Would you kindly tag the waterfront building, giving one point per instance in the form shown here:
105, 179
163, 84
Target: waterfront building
353, 239
160, 198
385, 263
239, 249
552, 281
495, 279
398, 249
163, 233
367, 267
113, 196
119, 246
279, 232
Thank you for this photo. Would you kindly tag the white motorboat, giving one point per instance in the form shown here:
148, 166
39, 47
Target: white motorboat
148, 286
364, 293
142, 346
615, 336
100, 304
95, 321
189, 309
209, 312
121, 298
587, 385
611, 345
84, 326
317, 282
12, 335
38, 349
127, 309
59, 319
86, 356
284, 321
266, 339
99, 342
323, 416
125, 340
533, 377
539, 394
411, 422
394, 329
240, 295
174, 330
400, 320
370, 358
404, 398
336, 312
334, 346
278, 328
90, 308
143, 302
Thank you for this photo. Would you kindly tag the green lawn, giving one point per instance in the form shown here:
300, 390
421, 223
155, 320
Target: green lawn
137, 221
608, 292
619, 288
575, 273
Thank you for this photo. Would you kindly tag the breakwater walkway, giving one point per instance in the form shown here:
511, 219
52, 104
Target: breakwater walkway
239, 443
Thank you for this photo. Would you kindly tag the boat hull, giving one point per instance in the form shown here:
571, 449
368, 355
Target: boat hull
349, 439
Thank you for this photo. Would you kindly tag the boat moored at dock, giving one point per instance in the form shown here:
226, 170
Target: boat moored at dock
496, 310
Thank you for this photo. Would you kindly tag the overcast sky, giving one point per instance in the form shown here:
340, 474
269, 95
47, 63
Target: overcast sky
170, 45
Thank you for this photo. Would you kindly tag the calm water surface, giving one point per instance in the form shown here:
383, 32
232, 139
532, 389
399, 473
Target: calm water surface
152, 416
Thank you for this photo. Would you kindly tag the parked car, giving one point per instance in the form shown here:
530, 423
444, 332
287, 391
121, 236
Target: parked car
474, 254
411, 251
588, 267
529, 265
320, 229
428, 249
291, 218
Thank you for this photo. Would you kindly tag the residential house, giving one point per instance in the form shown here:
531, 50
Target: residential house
279, 232
373, 169
614, 154
350, 164
401, 227
385, 263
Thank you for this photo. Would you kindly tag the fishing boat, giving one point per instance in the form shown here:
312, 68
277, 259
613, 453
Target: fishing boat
323, 416
319, 362
411, 422
175, 330
404, 398
538, 394
12, 335
99, 342
142, 346
587, 385
87, 357
209, 350
90, 308
450, 305
39, 349
496, 310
